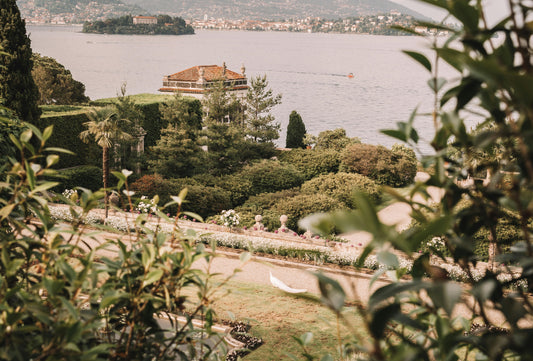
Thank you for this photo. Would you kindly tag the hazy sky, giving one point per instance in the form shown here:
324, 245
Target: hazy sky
495, 9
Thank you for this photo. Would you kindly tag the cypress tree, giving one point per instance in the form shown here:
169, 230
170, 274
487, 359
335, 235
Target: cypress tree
295, 131
17, 88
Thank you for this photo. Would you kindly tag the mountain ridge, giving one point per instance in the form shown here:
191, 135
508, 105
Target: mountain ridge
198, 9
270, 9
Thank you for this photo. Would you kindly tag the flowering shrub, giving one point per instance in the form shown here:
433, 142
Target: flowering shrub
70, 194
146, 205
230, 218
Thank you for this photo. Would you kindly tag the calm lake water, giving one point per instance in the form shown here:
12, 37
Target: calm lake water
309, 70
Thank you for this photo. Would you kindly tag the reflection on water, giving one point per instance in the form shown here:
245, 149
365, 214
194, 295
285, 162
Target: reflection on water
310, 70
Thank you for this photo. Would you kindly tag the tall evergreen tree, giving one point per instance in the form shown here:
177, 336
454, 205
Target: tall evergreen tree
295, 131
178, 152
17, 88
261, 125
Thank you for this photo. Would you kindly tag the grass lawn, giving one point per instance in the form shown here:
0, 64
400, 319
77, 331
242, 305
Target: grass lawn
276, 317
145, 98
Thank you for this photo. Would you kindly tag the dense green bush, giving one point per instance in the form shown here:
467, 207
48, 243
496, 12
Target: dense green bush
239, 189
203, 200
67, 128
334, 139
86, 176
342, 186
206, 201
395, 169
295, 131
271, 176
312, 162
261, 204
303, 205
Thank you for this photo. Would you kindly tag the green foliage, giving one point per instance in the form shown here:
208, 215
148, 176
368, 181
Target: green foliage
85, 176
67, 128
271, 176
312, 162
239, 189
260, 123
166, 25
17, 88
55, 83
295, 131
422, 317
64, 300
334, 139
206, 201
342, 187
202, 200
152, 120
303, 205
222, 107
396, 168
262, 204
178, 152
9, 125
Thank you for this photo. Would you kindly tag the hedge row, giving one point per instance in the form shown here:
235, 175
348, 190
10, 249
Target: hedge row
67, 128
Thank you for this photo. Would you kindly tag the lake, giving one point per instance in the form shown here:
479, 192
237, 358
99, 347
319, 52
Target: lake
309, 69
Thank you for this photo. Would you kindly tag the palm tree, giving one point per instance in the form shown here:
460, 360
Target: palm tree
107, 128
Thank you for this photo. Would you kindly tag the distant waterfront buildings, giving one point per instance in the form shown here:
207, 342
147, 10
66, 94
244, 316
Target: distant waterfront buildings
144, 20
197, 80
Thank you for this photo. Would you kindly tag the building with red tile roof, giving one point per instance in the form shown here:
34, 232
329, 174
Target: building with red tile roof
197, 80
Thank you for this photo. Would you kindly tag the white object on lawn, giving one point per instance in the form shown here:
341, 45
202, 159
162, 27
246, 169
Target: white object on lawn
282, 286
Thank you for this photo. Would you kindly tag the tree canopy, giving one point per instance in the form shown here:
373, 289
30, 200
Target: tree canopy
295, 131
17, 88
55, 83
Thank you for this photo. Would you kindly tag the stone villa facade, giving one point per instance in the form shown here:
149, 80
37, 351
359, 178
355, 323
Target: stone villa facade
144, 20
197, 80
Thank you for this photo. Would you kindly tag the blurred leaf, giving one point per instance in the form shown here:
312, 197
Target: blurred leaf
332, 294
381, 317
445, 295
153, 276
419, 58
388, 259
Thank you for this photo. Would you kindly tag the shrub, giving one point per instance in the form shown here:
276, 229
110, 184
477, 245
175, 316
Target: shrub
312, 163
295, 131
67, 128
239, 189
271, 176
334, 139
342, 186
261, 204
303, 205
379, 163
206, 201
85, 176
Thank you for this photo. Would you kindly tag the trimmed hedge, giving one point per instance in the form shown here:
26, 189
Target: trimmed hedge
395, 169
67, 128
300, 206
203, 200
270, 176
261, 204
311, 162
289, 202
342, 187
85, 176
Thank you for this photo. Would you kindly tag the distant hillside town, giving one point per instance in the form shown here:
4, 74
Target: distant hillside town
370, 24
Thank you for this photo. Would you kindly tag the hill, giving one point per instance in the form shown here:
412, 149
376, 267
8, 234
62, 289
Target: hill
73, 11
269, 9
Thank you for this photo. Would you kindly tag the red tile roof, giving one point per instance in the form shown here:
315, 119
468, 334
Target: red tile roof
211, 73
